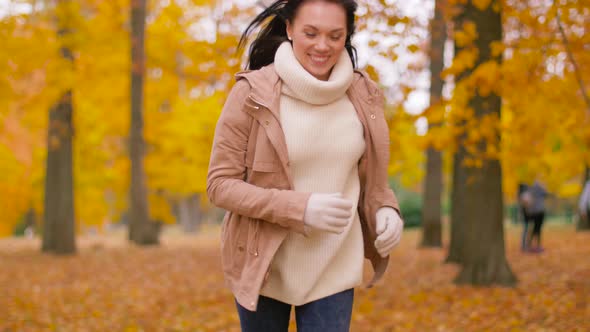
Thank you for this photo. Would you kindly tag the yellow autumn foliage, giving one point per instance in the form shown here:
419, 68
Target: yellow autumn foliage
465, 36
544, 120
464, 60
481, 4
177, 103
542, 131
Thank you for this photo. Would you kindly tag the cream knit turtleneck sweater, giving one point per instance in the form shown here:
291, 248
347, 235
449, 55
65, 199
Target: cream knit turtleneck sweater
325, 142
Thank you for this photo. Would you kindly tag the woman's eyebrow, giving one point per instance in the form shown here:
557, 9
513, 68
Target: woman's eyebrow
315, 28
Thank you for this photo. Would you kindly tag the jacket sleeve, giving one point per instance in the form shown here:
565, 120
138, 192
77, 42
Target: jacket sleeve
226, 185
385, 195
389, 199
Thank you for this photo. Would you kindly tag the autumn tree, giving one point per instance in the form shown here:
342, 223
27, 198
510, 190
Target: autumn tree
59, 226
30, 62
431, 206
584, 223
185, 99
192, 73
545, 114
141, 229
478, 179
394, 56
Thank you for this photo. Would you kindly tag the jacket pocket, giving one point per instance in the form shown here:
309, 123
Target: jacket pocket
253, 234
264, 166
234, 243
263, 174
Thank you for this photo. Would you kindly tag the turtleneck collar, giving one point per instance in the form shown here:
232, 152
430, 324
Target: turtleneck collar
300, 84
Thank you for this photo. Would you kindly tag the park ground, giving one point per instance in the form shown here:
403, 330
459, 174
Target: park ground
111, 285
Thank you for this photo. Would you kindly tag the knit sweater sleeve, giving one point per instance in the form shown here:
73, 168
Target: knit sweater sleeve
226, 185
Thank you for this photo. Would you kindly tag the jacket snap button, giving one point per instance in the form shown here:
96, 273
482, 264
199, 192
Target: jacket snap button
241, 248
373, 116
266, 122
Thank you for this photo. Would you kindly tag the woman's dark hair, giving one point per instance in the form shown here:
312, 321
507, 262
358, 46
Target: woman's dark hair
272, 35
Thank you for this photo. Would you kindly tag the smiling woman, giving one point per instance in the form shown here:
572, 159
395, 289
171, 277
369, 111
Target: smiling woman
327, 16
299, 161
320, 32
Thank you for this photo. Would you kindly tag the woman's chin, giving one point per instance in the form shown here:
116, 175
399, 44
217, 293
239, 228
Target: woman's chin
322, 74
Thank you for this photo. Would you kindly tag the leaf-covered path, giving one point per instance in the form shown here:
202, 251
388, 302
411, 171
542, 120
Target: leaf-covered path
113, 286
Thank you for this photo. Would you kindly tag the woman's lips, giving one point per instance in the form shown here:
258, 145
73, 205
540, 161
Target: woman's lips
319, 59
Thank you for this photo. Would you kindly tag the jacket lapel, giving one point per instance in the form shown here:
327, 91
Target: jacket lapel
264, 107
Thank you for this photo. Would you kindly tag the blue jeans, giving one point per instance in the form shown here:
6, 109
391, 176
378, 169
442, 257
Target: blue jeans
328, 314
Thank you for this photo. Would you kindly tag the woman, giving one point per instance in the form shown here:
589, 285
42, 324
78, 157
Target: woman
584, 203
299, 161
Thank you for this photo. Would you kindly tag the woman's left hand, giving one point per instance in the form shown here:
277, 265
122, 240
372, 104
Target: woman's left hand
389, 230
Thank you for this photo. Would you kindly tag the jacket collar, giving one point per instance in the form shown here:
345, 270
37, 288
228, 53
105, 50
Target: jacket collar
265, 87
266, 84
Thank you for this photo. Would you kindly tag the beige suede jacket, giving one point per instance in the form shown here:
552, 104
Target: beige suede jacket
249, 177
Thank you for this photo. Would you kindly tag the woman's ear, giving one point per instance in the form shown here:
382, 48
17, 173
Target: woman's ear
289, 30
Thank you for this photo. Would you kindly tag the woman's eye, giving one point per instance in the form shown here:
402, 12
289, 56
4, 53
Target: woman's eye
311, 35
335, 37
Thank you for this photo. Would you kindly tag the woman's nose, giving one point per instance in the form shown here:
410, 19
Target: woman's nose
322, 44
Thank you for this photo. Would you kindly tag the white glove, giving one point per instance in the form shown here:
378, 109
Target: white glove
328, 212
389, 230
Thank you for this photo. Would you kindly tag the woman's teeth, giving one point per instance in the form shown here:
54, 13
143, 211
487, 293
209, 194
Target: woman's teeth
319, 59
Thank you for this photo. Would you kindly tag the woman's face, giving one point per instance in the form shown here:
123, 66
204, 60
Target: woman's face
318, 34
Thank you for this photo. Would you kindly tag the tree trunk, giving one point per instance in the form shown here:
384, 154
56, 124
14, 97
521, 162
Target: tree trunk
30, 221
189, 213
483, 255
59, 227
431, 209
141, 230
459, 181
484, 259
183, 214
458, 217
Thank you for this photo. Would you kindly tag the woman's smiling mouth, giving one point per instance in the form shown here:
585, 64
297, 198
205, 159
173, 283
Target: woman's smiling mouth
319, 60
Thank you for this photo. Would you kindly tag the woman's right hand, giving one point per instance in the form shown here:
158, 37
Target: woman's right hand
328, 212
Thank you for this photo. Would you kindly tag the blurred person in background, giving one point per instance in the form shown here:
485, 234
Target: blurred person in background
533, 200
299, 161
584, 203
524, 201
